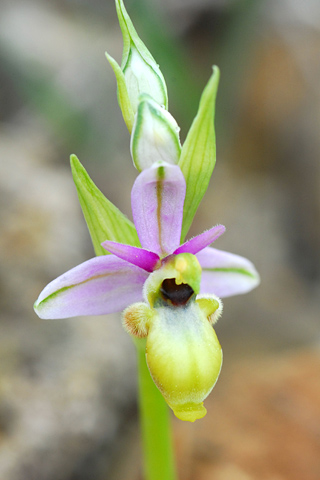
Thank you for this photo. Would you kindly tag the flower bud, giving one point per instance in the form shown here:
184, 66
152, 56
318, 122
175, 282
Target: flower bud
139, 72
155, 135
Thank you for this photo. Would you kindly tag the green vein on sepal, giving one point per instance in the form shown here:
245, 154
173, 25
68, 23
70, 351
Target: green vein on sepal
240, 271
104, 220
37, 305
198, 155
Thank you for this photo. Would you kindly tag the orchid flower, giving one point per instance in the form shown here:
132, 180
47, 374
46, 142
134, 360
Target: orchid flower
167, 299
168, 289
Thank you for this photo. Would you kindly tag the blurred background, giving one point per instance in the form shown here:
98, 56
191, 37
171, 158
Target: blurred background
68, 388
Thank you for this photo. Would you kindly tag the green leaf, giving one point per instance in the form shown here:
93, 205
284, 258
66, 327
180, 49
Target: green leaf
123, 96
198, 155
104, 220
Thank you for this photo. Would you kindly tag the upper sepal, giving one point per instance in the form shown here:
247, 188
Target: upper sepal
157, 198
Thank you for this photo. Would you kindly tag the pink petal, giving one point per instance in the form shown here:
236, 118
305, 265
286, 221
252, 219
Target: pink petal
226, 274
157, 205
99, 286
137, 256
198, 243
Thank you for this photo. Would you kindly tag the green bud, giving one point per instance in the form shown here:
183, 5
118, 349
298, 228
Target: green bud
139, 72
155, 135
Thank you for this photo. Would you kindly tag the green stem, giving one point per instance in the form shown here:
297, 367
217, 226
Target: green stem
155, 424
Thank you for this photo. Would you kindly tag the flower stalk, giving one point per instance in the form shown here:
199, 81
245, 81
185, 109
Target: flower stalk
155, 424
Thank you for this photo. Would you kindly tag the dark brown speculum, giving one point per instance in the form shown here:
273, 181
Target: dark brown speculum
178, 295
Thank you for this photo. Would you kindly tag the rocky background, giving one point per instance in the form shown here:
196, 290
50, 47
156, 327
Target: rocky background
67, 388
